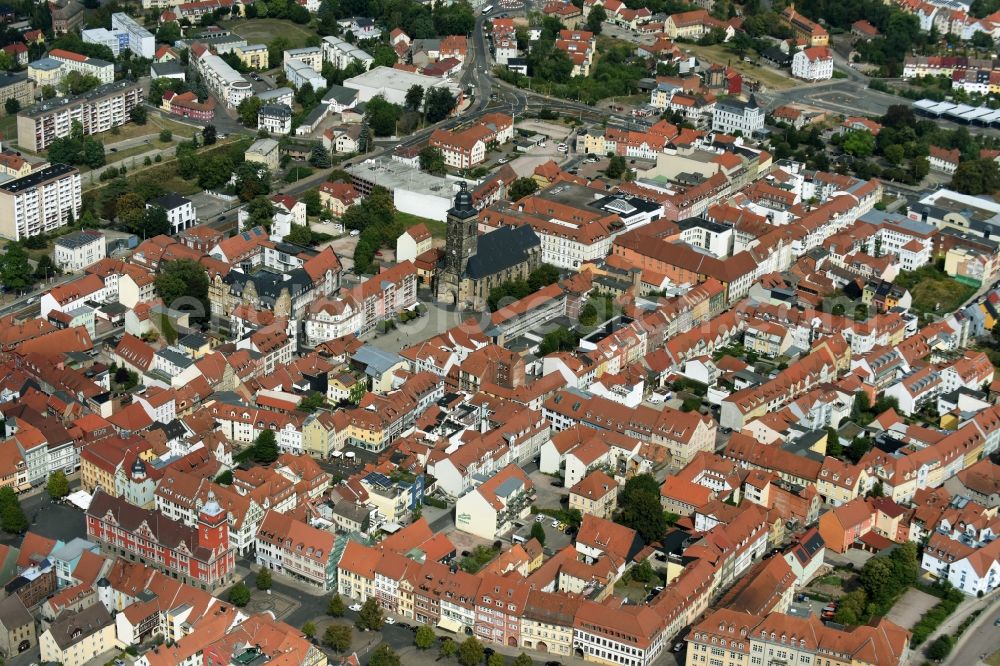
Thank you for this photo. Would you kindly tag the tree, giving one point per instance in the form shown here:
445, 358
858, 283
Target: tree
370, 616
859, 143
432, 160
338, 637
58, 485
260, 211
309, 629
522, 187
438, 104
424, 637
645, 515
384, 656
248, 110
209, 135
470, 652
617, 167
414, 98
596, 19
215, 171
15, 271
448, 648
155, 222
183, 285
45, 269
878, 580
263, 578
381, 116
168, 32
852, 608
265, 448
319, 157
239, 595
336, 606
138, 115
496, 659
523, 659
538, 532
314, 205
12, 106
588, 314
940, 648
253, 180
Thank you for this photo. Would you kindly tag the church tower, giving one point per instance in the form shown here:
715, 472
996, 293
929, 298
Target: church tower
462, 236
461, 243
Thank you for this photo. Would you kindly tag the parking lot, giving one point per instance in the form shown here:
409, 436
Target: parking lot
555, 539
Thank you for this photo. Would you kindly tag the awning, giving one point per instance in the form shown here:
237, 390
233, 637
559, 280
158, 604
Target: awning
448, 624
80, 498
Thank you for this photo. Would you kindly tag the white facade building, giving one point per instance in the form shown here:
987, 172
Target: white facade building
74, 252
731, 116
40, 202
181, 212
813, 64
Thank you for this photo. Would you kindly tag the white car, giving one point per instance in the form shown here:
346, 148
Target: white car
355, 232
562, 148
390, 620
355, 607
539, 518
555, 524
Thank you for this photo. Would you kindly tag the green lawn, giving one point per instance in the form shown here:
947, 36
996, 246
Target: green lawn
436, 228
262, 31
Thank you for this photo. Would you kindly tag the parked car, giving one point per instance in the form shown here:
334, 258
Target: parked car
539, 518
355, 607
390, 620
555, 524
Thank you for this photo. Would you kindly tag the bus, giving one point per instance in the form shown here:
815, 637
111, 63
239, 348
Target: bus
487, 9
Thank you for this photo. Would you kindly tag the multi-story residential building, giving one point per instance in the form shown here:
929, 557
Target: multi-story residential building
462, 149
180, 211
102, 70
341, 53
730, 638
596, 494
77, 637
290, 547
40, 202
492, 508
299, 73
201, 556
813, 64
228, 85
264, 151
254, 56
275, 119
733, 115
98, 110
76, 251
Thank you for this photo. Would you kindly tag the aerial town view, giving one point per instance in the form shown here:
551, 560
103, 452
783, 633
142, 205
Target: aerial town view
502, 333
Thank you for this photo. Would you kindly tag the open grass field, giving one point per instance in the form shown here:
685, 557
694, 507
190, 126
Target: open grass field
153, 125
262, 31
771, 78
436, 228
933, 291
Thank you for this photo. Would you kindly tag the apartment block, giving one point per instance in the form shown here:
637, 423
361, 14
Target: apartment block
99, 110
39, 202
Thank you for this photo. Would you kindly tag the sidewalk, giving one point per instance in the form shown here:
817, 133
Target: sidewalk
966, 608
